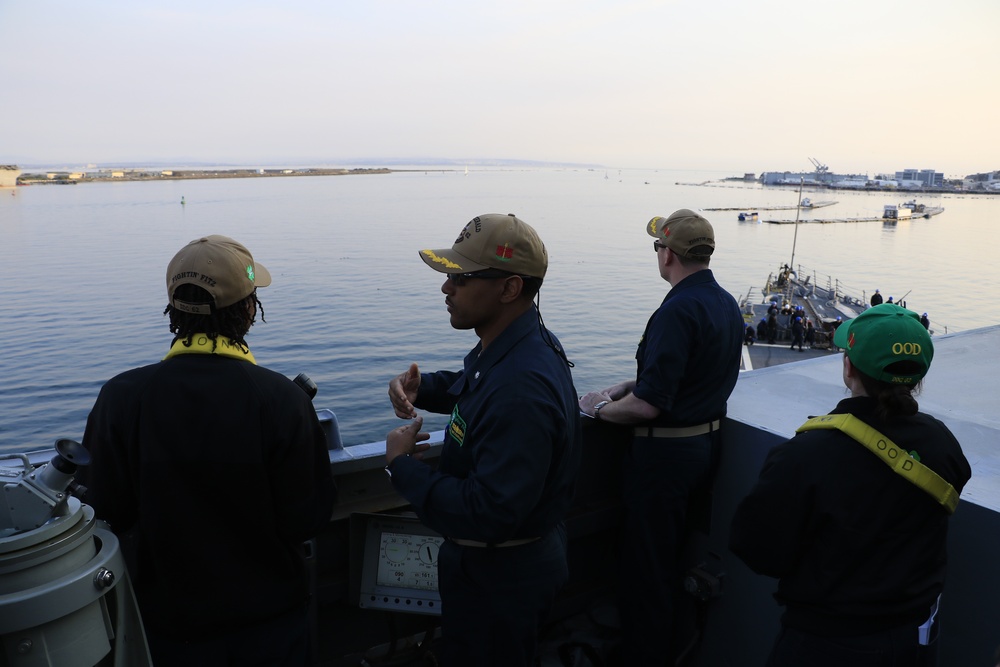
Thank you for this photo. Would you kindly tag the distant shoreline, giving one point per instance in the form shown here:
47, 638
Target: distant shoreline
132, 175
110, 175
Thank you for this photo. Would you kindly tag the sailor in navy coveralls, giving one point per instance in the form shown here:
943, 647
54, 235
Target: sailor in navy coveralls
687, 364
511, 448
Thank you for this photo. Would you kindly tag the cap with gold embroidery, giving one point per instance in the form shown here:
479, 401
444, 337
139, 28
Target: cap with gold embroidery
492, 241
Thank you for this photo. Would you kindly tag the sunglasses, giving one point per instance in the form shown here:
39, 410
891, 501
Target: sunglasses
459, 279
657, 245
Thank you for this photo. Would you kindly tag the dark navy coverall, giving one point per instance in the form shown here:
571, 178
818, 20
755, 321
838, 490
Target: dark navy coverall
687, 364
510, 457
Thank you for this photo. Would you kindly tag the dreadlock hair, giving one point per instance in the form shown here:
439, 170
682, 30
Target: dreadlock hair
233, 321
894, 400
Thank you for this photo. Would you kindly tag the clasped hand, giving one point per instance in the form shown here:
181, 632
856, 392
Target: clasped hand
406, 440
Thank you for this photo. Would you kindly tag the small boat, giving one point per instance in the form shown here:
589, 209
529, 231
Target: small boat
744, 217
894, 212
911, 209
810, 204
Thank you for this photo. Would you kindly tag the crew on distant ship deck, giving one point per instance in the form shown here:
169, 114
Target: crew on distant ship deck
797, 332
877, 298
784, 275
799, 312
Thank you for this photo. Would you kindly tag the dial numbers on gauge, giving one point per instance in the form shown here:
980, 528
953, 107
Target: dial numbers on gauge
408, 560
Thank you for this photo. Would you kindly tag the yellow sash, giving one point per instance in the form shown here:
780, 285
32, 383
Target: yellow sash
901, 462
202, 344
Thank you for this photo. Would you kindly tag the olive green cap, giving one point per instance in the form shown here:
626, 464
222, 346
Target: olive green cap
685, 232
221, 266
492, 241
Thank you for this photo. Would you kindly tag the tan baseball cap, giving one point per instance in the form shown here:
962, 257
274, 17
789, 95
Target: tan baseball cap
492, 241
221, 266
685, 232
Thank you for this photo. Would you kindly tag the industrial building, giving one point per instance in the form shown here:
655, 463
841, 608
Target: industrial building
8, 175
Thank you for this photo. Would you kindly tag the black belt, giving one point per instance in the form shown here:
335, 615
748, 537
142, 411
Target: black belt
484, 545
675, 432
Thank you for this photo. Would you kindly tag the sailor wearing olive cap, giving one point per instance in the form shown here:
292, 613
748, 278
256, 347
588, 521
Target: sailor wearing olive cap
511, 449
688, 361
209, 462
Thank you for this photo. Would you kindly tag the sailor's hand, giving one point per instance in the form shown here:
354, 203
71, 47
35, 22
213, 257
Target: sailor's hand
403, 391
588, 401
619, 391
406, 440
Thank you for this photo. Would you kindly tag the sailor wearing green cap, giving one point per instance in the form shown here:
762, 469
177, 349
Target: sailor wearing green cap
851, 515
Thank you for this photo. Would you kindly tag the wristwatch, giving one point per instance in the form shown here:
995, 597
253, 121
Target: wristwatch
388, 470
597, 409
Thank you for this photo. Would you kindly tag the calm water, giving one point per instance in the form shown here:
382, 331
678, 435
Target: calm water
82, 272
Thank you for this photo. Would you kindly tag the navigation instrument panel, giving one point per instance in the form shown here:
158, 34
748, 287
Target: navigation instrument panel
399, 564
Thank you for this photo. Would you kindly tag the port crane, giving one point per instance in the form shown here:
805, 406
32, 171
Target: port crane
820, 167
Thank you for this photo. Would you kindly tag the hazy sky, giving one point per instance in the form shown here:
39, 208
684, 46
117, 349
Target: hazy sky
861, 85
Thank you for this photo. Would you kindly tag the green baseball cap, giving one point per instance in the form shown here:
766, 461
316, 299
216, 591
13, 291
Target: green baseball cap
685, 232
883, 335
492, 241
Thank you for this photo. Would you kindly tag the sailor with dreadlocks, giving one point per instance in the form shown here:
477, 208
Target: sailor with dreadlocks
511, 448
207, 463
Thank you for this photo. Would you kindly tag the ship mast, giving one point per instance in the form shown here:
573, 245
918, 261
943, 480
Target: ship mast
795, 238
